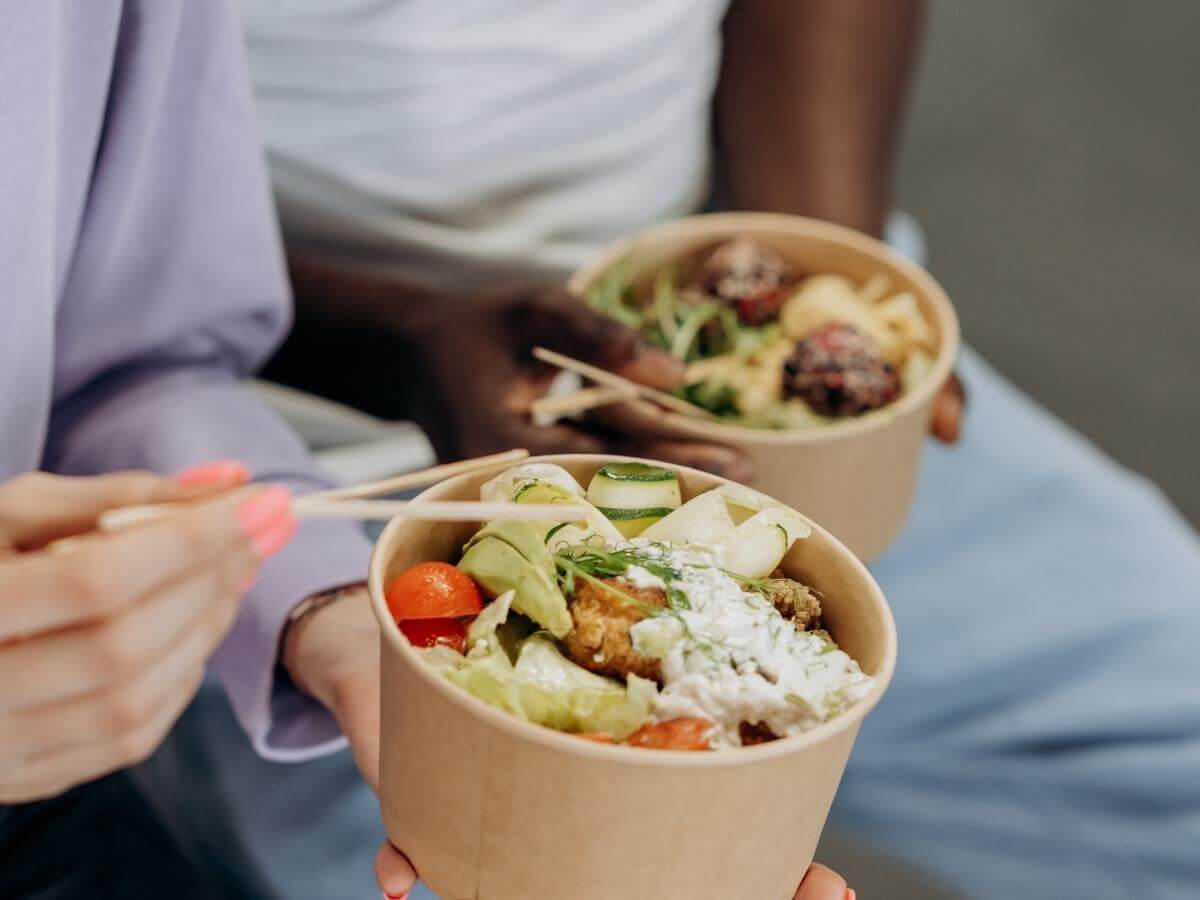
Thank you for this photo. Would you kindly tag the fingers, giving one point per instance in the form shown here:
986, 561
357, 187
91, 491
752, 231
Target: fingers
52, 774
37, 508
948, 408
563, 322
104, 574
83, 659
107, 714
822, 883
394, 872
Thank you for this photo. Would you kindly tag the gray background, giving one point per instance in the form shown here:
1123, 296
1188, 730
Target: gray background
1050, 154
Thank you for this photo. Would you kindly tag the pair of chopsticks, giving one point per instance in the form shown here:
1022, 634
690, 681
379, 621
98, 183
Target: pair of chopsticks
612, 388
354, 502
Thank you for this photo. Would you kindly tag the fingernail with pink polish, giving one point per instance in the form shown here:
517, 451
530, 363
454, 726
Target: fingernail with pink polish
851, 894
266, 509
387, 896
271, 540
215, 473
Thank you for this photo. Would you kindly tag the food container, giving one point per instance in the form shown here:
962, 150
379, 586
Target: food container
487, 806
856, 477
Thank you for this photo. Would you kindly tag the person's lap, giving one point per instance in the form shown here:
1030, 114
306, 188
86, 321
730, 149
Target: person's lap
1042, 733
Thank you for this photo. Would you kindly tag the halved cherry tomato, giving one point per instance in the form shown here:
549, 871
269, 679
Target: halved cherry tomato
685, 733
600, 737
436, 633
433, 590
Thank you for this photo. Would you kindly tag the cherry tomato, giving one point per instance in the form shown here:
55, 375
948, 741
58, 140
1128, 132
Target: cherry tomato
436, 633
433, 590
674, 734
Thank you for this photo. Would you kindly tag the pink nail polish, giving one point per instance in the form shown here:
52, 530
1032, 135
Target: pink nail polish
387, 896
271, 540
216, 473
851, 894
264, 509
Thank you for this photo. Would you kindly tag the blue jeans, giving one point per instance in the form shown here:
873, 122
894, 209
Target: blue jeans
1041, 737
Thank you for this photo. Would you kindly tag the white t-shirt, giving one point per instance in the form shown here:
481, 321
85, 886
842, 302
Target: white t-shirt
456, 141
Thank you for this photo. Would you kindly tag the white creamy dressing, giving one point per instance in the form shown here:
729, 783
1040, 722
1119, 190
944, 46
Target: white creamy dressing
733, 658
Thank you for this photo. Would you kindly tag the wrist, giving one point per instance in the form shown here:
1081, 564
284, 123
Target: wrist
326, 635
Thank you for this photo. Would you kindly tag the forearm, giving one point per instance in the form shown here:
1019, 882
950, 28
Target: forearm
352, 336
166, 417
808, 105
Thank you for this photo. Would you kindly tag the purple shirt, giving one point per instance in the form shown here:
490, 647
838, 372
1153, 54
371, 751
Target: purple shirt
141, 276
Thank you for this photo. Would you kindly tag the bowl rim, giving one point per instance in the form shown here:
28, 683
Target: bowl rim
727, 224
550, 739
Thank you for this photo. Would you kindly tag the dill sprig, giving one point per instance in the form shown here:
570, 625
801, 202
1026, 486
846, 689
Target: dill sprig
596, 564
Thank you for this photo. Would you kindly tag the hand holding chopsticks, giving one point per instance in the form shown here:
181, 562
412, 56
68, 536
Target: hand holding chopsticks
352, 503
621, 387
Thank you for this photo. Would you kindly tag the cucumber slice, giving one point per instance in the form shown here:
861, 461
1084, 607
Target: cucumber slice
632, 522
595, 523
634, 495
636, 471
702, 520
757, 546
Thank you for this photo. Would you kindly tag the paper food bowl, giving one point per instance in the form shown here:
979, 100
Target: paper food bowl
855, 477
488, 807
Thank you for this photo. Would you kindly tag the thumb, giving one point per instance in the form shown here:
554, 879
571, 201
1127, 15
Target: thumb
563, 322
38, 508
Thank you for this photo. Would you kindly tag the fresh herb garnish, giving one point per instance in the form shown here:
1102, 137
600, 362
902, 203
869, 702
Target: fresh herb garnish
596, 563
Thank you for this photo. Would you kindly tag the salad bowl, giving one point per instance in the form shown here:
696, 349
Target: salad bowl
857, 475
488, 806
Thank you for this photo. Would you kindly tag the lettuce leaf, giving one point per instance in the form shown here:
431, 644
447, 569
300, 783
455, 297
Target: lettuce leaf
546, 688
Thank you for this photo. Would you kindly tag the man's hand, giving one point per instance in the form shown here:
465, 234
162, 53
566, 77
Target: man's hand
476, 380
104, 639
332, 654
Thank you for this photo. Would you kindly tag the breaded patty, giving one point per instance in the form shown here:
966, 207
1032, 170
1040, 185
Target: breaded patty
600, 639
795, 601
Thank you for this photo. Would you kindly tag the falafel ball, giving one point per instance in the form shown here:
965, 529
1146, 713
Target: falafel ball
600, 639
795, 601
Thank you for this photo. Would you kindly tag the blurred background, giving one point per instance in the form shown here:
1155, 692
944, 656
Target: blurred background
1050, 155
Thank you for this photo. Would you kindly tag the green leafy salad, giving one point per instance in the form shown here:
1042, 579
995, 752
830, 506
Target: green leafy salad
770, 346
650, 622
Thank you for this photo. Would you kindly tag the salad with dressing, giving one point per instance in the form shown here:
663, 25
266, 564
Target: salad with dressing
769, 346
650, 622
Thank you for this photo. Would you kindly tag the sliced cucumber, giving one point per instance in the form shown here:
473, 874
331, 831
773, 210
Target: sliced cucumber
633, 496
580, 532
702, 520
501, 488
632, 522
757, 546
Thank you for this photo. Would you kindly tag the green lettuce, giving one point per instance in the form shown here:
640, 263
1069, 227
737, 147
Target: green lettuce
546, 688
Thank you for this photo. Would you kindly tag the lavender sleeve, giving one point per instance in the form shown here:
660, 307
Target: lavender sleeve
175, 291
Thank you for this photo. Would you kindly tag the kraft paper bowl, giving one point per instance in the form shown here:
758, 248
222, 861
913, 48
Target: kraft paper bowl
855, 477
491, 808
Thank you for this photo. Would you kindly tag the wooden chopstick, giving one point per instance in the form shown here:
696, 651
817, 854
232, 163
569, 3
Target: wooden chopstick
443, 511
579, 401
318, 504
610, 379
412, 479
374, 510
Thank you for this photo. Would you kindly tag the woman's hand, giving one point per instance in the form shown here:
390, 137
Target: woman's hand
396, 878
332, 654
104, 637
822, 883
